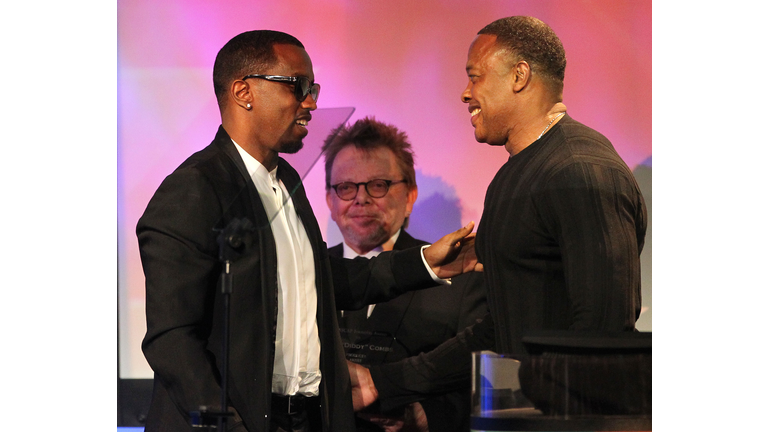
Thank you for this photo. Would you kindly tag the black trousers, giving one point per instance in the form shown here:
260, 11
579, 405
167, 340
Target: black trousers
295, 414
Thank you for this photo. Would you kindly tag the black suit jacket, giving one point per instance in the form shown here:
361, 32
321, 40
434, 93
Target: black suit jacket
413, 323
180, 257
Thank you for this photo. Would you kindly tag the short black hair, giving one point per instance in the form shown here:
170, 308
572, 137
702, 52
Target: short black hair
247, 53
532, 40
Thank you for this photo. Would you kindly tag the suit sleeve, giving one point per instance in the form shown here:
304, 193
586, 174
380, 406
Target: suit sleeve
446, 368
179, 257
473, 300
359, 282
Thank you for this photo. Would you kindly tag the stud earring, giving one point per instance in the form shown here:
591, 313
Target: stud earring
248, 106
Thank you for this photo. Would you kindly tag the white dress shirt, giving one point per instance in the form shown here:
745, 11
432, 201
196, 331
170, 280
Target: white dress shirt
297, 345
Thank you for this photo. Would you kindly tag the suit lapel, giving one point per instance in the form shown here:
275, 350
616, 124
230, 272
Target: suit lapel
226, 146
246, 203
292, 181
405, 241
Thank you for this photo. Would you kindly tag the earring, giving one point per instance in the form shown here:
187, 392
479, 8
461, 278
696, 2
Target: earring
248, 106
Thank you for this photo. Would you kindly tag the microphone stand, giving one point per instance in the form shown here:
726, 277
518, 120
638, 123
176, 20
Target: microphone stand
232, 240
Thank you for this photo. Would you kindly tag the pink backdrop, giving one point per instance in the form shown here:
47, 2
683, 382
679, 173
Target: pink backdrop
400, 61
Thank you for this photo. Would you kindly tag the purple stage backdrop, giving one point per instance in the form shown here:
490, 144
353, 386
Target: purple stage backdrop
400, 61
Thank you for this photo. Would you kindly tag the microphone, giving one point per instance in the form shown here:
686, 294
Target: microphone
234, 238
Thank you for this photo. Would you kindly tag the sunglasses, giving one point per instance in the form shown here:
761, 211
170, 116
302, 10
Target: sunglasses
301, 85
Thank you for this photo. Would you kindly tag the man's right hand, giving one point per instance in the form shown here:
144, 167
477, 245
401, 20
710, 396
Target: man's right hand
364, 393
454, 253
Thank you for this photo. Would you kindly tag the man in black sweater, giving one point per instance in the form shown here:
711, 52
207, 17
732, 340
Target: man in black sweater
563, 222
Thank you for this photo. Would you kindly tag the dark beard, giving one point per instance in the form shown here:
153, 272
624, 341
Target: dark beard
292, 147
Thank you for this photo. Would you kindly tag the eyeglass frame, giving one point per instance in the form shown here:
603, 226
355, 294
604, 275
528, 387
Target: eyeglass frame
389, 183
297, 92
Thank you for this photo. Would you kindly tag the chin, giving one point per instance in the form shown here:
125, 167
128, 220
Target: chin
489, 141
480, 138
368, 239
292, 147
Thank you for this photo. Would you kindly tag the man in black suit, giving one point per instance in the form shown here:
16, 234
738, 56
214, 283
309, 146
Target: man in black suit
286, 368
370, 190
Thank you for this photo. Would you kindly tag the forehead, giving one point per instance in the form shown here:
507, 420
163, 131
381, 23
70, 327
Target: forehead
352, 161
292, 61
483, 52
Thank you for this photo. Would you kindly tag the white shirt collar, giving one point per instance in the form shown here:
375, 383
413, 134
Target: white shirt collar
350, 253
255, 169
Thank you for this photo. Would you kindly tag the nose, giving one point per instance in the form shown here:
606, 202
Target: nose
309, 103
362, 196
466, 96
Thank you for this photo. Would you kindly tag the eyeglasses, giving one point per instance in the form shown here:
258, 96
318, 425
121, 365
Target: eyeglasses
302, 86
376, 188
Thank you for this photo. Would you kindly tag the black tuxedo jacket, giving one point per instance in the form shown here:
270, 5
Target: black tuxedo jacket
417, 322
180, 256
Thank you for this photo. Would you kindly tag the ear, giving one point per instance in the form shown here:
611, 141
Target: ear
413, 193
241, 93
522, 76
